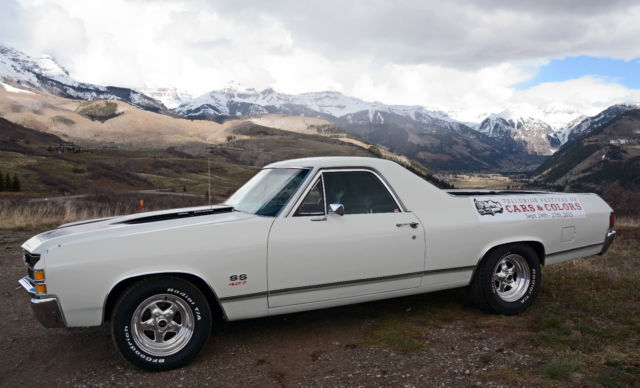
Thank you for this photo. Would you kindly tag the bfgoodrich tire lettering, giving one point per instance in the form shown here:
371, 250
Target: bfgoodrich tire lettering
507, 280
161, 323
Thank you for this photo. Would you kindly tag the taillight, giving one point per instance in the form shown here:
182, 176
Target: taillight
612, 220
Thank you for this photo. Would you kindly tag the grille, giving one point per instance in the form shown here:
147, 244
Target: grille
30, 259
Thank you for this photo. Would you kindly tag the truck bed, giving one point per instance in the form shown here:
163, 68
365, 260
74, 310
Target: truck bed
476, 192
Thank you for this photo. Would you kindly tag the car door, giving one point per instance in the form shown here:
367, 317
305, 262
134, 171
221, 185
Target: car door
316, 254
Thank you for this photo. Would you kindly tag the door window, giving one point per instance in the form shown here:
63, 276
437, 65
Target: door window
313, 203
359, 192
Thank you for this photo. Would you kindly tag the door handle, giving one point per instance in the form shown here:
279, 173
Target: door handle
411, 224
324, 218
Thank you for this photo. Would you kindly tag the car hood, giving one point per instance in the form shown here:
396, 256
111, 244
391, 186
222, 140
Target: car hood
140, 222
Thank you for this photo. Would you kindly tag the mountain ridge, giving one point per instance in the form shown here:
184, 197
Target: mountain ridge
433, 136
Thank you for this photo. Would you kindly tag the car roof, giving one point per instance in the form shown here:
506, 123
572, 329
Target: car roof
330, 162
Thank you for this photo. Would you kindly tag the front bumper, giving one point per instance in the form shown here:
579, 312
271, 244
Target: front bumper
608, 240
45, 308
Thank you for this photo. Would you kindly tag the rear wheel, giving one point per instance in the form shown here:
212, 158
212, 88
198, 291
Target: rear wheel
161, 323
507, 281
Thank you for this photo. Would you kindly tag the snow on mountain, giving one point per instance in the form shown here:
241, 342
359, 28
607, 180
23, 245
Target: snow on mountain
583, 125
45, 74
171, 97
12, 89
555, 116
18, 67
236, 100
562, 134
541, 127
532, 132
494, 126
535, 126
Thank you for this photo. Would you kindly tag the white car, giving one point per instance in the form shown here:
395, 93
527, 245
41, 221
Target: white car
300, 235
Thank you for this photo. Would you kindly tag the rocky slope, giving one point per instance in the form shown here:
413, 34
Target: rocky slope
532, 133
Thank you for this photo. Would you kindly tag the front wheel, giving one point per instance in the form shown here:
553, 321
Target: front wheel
161, 323
507, 281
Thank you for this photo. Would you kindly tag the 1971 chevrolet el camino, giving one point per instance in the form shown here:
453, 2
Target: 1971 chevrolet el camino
302, 234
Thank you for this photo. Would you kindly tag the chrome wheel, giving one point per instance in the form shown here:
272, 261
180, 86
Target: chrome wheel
162, 325
511, 277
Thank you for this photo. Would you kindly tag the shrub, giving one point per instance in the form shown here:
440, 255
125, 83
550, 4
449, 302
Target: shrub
99, 112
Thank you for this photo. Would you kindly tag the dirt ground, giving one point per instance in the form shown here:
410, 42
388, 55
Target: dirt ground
331, 347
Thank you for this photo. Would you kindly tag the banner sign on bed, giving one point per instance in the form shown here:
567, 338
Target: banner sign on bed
527, 207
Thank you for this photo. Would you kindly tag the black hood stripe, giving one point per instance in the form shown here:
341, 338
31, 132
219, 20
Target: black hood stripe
174, 216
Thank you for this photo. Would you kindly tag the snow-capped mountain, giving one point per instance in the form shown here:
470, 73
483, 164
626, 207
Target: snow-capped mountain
171, 97
584, 125
45, 74
235, 100
520, 128
415, 131
534, 134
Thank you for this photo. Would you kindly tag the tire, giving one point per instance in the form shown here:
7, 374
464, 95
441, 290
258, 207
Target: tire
507, 280
161, 323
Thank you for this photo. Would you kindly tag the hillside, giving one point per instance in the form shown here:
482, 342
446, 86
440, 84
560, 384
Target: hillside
116, 125
48, 164
51, 165
609, 153
130, 127
457, 148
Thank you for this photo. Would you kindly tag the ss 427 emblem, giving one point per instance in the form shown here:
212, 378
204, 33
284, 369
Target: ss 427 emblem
237, 280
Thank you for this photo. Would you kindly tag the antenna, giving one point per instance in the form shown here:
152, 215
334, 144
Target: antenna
209, 168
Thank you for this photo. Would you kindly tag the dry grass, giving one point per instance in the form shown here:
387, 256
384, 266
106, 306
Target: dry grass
23, 214
627, 222
485, 181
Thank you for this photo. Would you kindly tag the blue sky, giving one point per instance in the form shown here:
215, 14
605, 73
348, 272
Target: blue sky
619, 71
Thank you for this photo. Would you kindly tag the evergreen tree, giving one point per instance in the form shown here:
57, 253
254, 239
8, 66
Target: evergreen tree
15, 185
1, 182
7, 182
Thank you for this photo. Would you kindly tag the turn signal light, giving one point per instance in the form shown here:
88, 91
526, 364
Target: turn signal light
38, 275
612, 220
41, 288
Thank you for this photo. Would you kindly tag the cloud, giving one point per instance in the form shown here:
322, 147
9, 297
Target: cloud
467, 57
456, 33
45, 28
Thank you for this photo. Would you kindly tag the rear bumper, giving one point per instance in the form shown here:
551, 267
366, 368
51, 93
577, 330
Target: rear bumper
608, 240
45, 308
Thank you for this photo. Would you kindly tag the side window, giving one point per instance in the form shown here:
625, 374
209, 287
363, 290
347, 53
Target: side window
313, 203
359, 191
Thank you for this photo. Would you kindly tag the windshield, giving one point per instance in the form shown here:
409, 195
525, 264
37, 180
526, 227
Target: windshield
268, 191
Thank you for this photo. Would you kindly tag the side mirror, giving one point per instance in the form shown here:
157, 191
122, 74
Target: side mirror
337, 208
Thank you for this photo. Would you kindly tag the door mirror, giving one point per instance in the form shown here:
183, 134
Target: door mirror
336, 208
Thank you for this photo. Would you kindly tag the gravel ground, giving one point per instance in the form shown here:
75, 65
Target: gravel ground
319, 348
